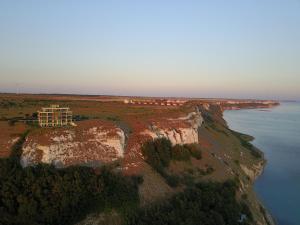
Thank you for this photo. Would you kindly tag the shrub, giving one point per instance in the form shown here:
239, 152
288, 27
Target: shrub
172, 180
157, 153
195, 150
256, 153
12, 122
80, 117
164, 150
210, 170
113, 118
188, 180
180, 153
244, 196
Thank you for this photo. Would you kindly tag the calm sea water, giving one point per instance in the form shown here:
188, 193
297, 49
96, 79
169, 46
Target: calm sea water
277, 134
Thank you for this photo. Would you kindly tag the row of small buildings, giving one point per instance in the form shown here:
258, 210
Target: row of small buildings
156, 102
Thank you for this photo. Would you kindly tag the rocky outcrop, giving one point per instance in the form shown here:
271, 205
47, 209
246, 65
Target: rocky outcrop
178, 129
91, 142
176, 136
254, 171
183, 130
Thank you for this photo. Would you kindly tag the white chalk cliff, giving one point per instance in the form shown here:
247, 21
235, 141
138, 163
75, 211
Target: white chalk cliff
69, 146
186, 134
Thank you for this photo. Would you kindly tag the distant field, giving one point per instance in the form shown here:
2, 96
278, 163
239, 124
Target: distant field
91, 106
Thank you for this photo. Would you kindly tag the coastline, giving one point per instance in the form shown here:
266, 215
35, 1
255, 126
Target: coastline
226, 155
270, 220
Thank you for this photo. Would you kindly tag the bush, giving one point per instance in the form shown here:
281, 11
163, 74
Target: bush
158, 153
195, 150
80, 117
172, 180
137, 179
256, 153
180, 153
188, 180
12, 122
209, 170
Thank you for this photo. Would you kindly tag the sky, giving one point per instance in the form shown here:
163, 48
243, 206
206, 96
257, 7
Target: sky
212, 48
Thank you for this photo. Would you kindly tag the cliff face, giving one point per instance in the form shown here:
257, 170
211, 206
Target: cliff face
183, 130
90, 142
94, 141
254, 170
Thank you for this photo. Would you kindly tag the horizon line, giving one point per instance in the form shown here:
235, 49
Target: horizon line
149, 96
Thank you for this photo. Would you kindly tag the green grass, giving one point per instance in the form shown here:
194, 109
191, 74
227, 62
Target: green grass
244, 140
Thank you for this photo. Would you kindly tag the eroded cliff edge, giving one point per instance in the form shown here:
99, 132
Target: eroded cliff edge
244, 160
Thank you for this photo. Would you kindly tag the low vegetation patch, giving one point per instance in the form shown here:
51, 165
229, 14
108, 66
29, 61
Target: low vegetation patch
158, 154
8, 104
244, 139
194, 150
80, 118
202, 204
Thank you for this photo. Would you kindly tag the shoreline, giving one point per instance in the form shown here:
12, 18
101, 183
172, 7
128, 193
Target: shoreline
267, 215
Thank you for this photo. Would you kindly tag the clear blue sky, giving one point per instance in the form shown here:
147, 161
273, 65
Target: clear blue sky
241, 48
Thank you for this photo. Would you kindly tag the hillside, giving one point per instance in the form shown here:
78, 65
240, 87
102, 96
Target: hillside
109, 132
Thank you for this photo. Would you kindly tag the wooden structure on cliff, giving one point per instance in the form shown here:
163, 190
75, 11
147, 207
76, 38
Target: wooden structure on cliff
55, 116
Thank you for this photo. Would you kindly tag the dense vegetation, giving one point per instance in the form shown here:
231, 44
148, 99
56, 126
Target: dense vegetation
202, 204
46, 195
158, 154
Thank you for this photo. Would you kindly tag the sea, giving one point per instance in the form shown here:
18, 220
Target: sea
277, 134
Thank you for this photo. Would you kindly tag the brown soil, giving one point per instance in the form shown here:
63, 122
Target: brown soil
8, 136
